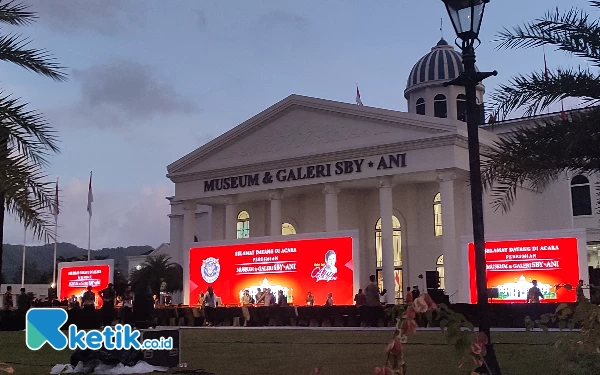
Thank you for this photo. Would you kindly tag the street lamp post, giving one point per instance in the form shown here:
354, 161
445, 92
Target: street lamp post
466, 16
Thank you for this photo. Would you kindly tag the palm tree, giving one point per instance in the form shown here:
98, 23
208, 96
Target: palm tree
26, 138
538, 155
157, 268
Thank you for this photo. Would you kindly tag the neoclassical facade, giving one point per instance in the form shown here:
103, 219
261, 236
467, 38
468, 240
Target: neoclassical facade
308, 165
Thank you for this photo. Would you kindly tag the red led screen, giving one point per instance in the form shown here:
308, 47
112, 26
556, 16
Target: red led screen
512, 265
74, 280
296, 267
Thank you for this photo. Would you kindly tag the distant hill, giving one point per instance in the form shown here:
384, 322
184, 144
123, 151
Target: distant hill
41, 257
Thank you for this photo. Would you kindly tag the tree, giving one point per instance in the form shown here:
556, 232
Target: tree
26, 138
157, 268
536, 156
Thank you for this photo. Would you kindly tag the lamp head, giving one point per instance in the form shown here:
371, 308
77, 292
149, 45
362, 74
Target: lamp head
466, 17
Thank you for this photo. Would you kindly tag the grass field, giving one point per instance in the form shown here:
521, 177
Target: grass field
254, 351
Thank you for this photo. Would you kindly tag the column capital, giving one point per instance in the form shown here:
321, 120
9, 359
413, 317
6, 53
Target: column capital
385, 182
446, 176
330, 189
230, 200
276, 194
190, 205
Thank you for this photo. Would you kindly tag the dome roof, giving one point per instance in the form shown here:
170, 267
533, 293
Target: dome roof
443, 63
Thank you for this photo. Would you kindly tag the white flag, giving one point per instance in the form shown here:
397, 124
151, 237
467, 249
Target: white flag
90, 197
358, 101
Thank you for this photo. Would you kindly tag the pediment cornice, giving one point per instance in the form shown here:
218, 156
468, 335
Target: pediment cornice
380, 149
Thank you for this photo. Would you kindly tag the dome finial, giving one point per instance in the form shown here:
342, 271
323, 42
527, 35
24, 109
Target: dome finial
442, 27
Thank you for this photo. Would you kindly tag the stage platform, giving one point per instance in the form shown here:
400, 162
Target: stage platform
502, 316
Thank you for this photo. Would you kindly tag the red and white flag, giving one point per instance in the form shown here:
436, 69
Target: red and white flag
358, 101
90, 197
55, 209
563, 114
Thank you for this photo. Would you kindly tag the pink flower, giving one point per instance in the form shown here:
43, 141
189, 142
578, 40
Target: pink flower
383, 370
479, 345
394, 347
410, 313
318, 370
409, 326
420, 305
430, 304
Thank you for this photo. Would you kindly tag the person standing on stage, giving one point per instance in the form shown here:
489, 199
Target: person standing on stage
128, 297
210, 304
360, 298
108, 305
7, 301
310, 299
329, 301
89, 299
534, 294
163, 291
579, 292
23, 301
372, 292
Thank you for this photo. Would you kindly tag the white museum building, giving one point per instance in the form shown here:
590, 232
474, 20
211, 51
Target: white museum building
308, 165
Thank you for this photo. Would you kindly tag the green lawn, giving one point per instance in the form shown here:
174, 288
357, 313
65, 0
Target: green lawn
239, 351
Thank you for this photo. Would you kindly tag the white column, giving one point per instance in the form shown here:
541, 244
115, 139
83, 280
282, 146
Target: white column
387, 246
189, 229
275, 223
450, 245
230, 217
331, 207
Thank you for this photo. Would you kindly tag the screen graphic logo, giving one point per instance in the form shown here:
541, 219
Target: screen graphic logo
210, 269
44, 325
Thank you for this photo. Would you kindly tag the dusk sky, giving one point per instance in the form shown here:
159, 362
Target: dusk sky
151, 81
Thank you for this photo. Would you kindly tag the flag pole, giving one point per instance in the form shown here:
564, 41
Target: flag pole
24, 249
55, 234
89, 237
89, 209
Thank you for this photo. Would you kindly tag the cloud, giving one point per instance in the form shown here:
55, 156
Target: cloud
122, 88
119, 218
108, 17
280, 19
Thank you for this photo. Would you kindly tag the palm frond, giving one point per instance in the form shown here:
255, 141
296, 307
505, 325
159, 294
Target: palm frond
13, 48
26, 193
14, 13
536, 156
535, 92
27, 130
572, 31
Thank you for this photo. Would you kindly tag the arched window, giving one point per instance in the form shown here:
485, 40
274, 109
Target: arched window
581, 199
420, 106
397, 244
243, 225
287, 228
461, 107
439, 266
437, 214
440, 108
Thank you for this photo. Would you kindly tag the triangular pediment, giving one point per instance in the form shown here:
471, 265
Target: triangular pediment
300, 126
